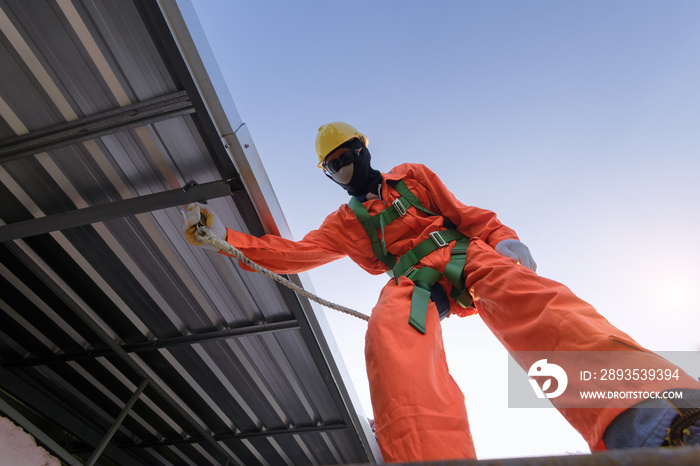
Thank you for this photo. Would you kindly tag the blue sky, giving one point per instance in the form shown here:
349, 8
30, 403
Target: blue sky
576, 121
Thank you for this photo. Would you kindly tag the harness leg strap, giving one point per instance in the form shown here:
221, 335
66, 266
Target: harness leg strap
423, 278
419, 308
454, 271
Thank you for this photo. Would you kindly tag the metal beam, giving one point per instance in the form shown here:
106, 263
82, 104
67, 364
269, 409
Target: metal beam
117, 422
239, 436
94, 126
256, 329
118, 209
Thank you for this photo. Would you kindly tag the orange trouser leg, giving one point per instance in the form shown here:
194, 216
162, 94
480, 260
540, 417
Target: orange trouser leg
419, 410
527, 312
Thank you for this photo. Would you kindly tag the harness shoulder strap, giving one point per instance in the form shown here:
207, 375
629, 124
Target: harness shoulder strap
406, 193
368, 223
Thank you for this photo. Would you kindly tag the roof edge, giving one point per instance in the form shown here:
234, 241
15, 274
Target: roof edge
194, 47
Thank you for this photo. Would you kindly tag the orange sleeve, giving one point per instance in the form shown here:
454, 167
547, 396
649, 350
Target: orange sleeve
281, 255
472, 221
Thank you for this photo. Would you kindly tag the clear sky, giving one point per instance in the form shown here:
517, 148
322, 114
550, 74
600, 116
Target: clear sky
577, 122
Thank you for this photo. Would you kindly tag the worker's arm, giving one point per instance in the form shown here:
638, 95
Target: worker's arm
470, 220
280, 255
474, 221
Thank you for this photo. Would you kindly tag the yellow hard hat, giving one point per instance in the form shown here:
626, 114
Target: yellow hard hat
332, 136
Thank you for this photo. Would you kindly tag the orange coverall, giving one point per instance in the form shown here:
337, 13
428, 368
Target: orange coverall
419, 410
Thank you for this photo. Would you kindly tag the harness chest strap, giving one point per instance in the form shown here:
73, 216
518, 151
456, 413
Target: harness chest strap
424, 278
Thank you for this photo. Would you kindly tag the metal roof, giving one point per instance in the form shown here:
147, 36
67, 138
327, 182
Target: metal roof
119, 342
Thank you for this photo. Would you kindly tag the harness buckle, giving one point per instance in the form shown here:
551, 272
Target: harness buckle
400, 209
438, 239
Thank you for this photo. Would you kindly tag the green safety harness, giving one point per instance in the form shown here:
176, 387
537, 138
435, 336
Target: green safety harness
423, 277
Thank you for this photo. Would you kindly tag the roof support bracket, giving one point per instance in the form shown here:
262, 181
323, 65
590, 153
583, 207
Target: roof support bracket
117, 422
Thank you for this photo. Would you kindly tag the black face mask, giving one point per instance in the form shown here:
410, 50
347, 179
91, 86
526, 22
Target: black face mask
364, 179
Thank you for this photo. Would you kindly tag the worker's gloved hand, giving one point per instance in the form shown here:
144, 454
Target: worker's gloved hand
201, 214
518, 252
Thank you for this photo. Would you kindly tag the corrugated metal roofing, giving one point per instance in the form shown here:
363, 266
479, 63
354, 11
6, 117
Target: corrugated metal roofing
106, 313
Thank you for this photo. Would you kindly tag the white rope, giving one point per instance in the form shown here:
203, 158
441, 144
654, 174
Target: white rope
205, 235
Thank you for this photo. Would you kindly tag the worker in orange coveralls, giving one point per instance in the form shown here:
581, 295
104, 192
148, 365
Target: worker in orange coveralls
445, 258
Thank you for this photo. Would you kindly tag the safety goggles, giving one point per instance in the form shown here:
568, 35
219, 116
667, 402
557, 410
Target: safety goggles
344, 159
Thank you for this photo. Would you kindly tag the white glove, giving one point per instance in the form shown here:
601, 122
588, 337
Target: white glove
197, 214
518, 252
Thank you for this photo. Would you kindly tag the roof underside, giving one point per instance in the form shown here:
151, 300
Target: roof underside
106, 313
